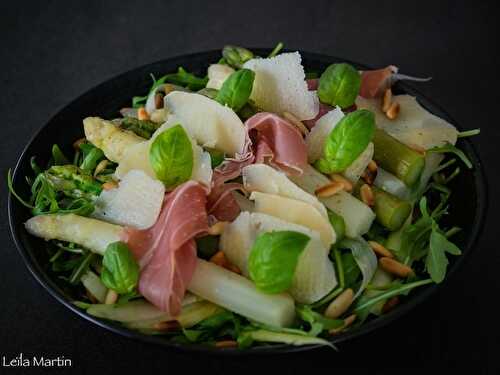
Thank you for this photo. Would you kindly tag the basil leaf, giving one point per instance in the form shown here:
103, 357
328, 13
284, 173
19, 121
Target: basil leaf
236, 89
339, 85
273, 259
347, 141
449, 148
171, 156
120, 271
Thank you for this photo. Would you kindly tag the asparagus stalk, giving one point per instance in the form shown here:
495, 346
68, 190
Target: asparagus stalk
143, 128
397, 158
390, 210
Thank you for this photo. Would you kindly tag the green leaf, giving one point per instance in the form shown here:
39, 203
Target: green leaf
184, 78
396, 291
347, 141
436, 261
236, 56
273, 259
58, 156
91, 156
338, 224
449, 148
120, 271
339, 85
317, 321
216, 157
351, 270
236, 89
171, 156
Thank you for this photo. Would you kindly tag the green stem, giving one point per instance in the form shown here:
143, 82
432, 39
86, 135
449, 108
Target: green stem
390, 210
392, 293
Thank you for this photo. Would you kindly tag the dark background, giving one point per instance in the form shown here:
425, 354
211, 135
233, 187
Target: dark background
51, 52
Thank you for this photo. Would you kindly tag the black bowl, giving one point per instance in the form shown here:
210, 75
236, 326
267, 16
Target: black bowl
467, 205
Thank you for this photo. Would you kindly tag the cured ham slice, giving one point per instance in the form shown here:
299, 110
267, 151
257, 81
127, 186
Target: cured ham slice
166, 252
374, 82
276, 141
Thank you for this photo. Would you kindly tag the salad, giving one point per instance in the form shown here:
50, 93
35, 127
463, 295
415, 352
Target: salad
258, 204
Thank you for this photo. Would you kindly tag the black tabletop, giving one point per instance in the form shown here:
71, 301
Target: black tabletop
53, 51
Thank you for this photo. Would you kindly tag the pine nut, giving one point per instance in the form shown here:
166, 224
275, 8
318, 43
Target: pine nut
372, 166
387, 100
217, 228
347, 322
329, 189
393, 111
390, 304
380, 250
296, 122
111, 297
394, 267
226, 344
78, 142
142, 114
367, 195
340, 304
339, 178
109, 185
219, 258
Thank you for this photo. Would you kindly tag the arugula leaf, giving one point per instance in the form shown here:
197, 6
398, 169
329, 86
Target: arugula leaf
339, 85
351, 270
58, 156
236, 89
347, 141
171, 156
273, 259
395, 291
236, 56
365, 259
317, 321
436, 261
91, 156
184, 78
449, 148
120, 271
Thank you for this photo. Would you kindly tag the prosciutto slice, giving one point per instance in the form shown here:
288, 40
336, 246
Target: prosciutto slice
375, 82
166, 252
276, 141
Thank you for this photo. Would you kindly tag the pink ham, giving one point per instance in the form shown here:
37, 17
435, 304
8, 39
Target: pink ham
166, 252
276, 141
375, 82
221, 205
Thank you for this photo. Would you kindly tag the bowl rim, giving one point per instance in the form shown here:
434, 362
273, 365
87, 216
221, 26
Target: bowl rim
480, 183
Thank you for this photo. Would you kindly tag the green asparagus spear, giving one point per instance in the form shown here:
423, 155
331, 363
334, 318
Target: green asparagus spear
391, 211
143, 128
397, 158
236, 56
